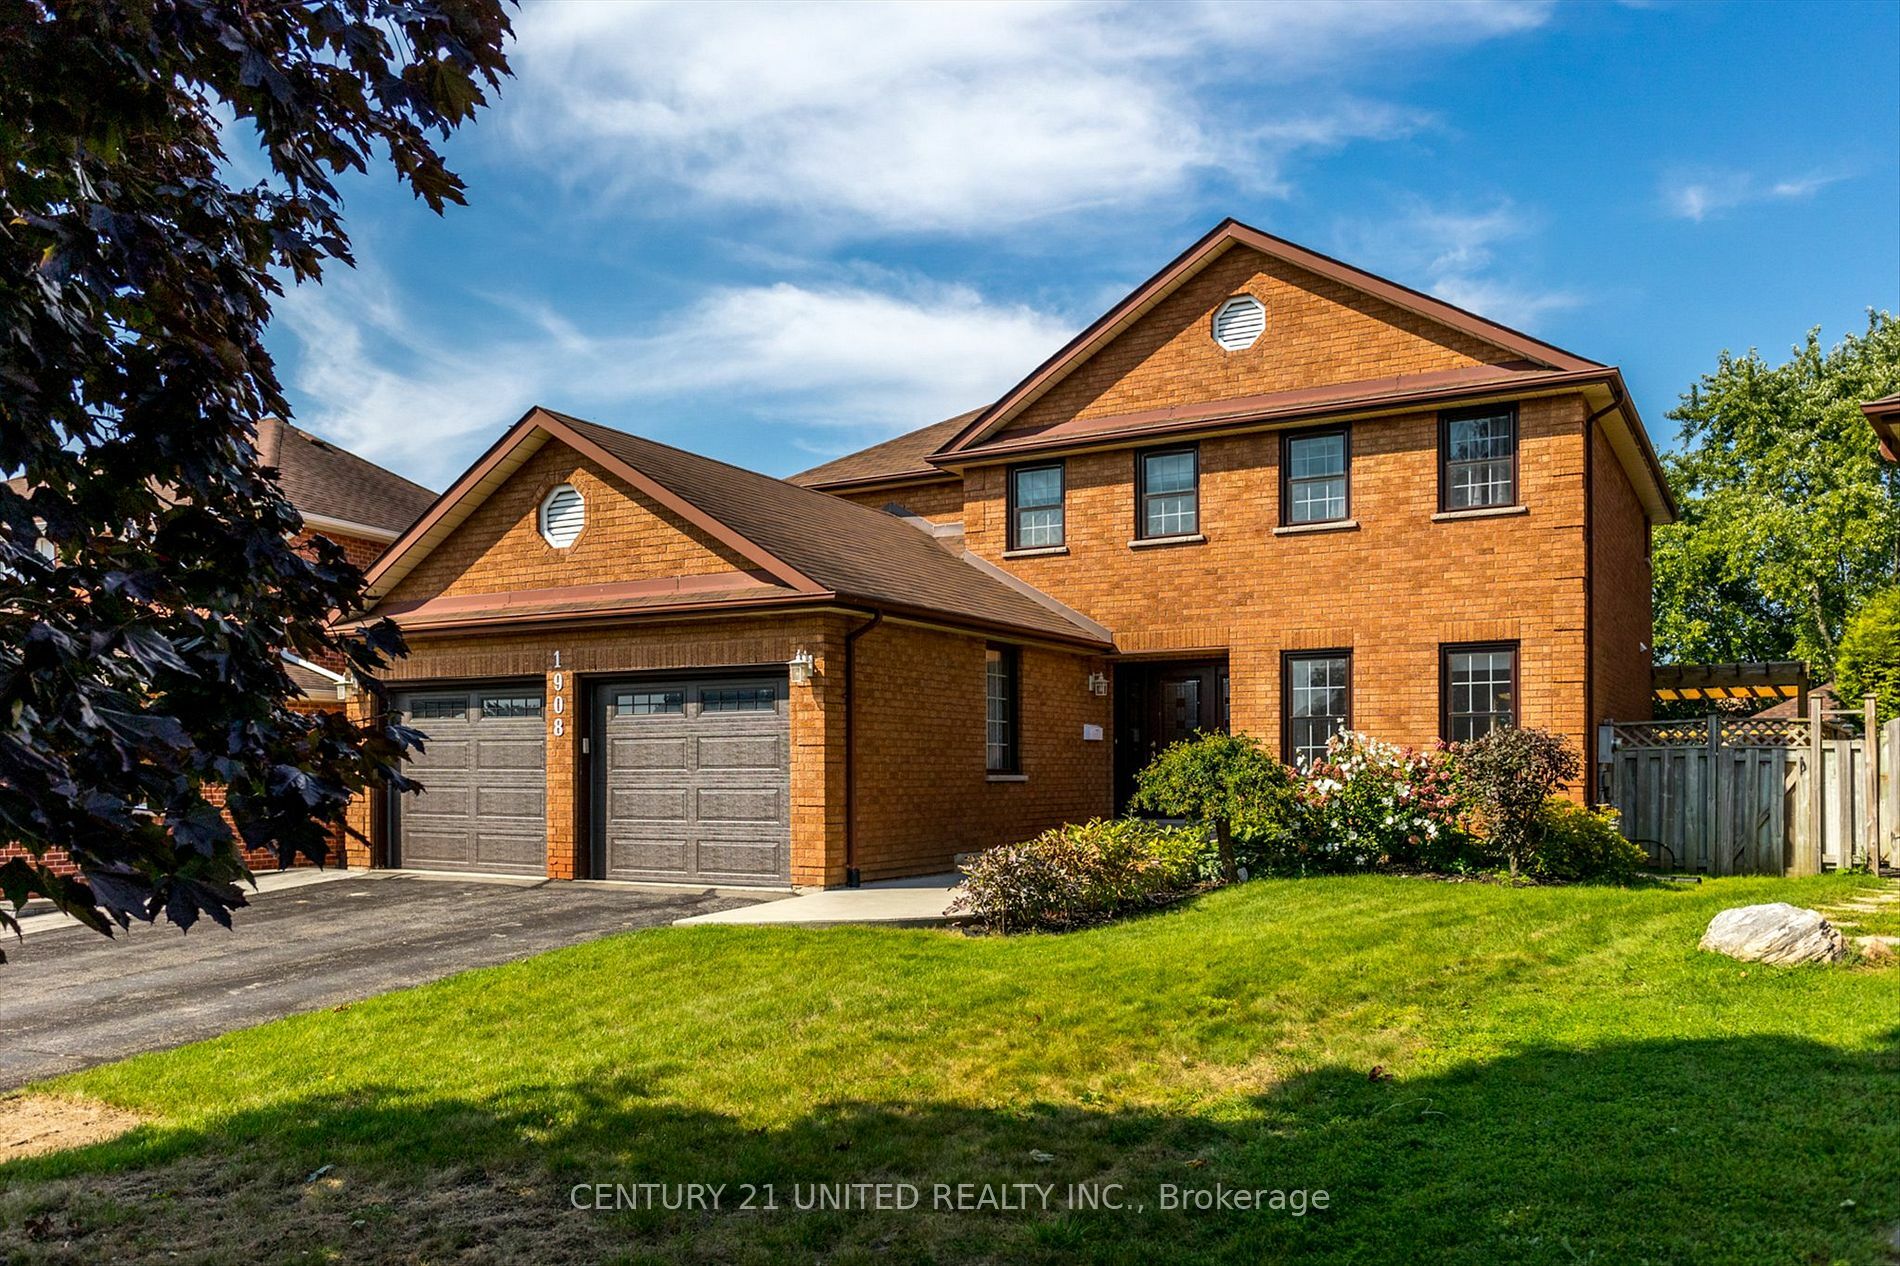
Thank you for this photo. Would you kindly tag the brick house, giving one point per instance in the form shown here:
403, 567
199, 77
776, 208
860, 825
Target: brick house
1267, 491
352, 501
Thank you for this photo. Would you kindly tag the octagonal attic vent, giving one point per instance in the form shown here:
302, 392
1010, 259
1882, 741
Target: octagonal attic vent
562, 516
1239, 322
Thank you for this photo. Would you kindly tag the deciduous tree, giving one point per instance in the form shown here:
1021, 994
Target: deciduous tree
1789, 517
147, 583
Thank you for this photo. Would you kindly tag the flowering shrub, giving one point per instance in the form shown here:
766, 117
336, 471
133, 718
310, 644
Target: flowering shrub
1375, 803
1079, 874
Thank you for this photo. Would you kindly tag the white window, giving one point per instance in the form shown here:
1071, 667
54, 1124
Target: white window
562, 516
1239, 323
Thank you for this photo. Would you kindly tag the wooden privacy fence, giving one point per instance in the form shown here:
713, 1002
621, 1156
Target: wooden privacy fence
1756, 796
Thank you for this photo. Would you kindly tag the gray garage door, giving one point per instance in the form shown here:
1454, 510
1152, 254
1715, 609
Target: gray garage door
484, 774
694, 781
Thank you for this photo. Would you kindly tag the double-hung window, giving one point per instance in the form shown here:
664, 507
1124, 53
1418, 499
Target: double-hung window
1478, 689
1002, 749
1316, 687
1478, 459
1035, 507
1314, 477
1167, 493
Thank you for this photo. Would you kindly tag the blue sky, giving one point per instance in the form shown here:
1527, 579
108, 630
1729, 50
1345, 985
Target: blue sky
777, 234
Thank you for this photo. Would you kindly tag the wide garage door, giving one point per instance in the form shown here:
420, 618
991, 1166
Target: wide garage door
483, 806
694, 781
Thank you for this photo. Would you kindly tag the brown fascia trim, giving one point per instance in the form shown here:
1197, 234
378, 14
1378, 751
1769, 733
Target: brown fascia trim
875, 483
606, 594
1231, 232
744, 605
1884, 416
539, 418
1292, 407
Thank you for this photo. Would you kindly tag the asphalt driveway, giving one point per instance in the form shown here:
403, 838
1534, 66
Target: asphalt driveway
72, 998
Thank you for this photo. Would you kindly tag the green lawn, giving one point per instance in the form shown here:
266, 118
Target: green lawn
1565, 1078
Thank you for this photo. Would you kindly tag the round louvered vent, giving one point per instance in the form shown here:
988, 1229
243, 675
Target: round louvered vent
562, 515
1239, 322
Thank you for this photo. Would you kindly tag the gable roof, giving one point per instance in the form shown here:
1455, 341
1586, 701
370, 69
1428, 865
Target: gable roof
1226, 235
902, 459
334, 487
806, 545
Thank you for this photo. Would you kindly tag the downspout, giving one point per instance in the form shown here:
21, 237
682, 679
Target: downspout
851, 879
1598, 791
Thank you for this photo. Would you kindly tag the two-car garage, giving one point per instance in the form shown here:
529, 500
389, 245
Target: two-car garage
689, 780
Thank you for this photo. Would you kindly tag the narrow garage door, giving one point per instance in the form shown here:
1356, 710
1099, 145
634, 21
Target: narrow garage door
483, 806
694, 781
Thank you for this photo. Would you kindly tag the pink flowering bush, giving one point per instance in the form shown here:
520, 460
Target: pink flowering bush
1377, 804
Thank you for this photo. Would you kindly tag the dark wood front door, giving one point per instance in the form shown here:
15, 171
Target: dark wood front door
1161, 703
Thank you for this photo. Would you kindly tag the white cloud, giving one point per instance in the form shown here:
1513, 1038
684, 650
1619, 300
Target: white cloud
1698, 195
845, 364
949, 116
1453, 254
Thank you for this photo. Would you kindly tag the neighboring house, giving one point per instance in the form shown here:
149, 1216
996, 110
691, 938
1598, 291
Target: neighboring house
1267, 492
354, 502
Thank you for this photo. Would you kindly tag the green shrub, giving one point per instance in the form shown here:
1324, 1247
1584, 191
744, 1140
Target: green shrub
1868, 661
1081, 874
1578, 843
1507, 775
1231, 783
1375, 803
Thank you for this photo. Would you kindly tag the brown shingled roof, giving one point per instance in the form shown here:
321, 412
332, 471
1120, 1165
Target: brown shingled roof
321, 479
905, 458
819, 548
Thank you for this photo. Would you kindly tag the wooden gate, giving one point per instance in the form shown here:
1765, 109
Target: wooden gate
1754, 796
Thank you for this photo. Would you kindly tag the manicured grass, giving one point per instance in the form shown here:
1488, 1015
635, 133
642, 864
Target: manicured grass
1564, 1078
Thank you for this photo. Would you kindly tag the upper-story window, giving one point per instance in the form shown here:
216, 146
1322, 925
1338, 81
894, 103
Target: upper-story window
1035, 507
1168, 493
1477, 453
563, 514
1314, 477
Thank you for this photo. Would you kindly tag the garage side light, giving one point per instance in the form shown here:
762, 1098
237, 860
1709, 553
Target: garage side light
800, 667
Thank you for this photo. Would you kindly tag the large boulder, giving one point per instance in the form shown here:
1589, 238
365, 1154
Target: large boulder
1776, 933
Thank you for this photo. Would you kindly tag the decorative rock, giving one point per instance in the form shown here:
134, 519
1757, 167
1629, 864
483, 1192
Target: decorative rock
1777, 933
1878, 949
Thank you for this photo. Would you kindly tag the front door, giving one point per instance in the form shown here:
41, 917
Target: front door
1161, 703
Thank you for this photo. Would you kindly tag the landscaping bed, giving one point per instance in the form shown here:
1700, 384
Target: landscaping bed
1472, 1072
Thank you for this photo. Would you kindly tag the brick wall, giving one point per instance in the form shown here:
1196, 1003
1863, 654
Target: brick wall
1620, 577
940, 502
1393, 589
923, 795
627, 537
1318, 332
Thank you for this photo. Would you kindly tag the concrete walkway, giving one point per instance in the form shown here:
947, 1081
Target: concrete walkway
919, 902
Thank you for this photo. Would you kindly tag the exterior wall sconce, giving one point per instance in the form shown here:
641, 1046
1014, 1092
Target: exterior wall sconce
800, 668
1098, 684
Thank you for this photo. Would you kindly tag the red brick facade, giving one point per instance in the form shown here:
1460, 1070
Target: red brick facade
1562, 574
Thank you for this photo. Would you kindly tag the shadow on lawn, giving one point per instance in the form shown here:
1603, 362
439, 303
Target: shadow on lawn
1747, 1150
